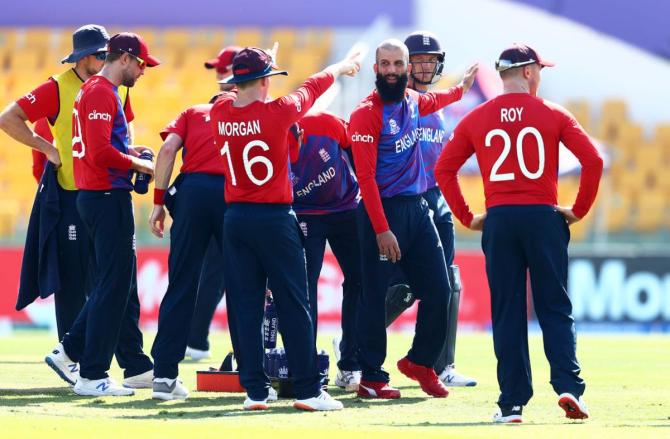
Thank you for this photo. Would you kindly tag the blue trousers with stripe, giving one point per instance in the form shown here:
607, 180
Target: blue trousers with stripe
517, 241
197, 212
339, 229
109, 320
423, 265
263, 243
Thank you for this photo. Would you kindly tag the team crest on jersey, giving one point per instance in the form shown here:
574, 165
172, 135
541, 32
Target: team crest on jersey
324, 155
393, 125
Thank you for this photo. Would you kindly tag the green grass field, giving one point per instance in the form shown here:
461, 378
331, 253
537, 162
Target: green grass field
628, 393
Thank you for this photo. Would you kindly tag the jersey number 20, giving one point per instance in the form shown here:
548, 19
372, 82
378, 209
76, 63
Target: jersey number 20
507, 145
248, 163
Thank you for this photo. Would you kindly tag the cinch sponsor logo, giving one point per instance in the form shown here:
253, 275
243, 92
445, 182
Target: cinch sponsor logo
367, 138
94, 115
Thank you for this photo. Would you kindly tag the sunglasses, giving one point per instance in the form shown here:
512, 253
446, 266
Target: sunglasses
100, 56
505, 64
142, 63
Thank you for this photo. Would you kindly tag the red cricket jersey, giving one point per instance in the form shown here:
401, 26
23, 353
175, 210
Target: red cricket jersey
516, 138
385, 143
100, 138
199, 152
253, 141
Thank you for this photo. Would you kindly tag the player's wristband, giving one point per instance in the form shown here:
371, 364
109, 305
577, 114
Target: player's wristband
159, 196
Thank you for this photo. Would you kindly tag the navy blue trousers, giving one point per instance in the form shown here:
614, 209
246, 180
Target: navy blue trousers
530, 239
211, 287
73, 262
197, 214
340, 231
108, 323
263, 243
423, 264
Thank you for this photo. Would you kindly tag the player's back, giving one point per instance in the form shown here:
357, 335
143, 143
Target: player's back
516, 138
253, 142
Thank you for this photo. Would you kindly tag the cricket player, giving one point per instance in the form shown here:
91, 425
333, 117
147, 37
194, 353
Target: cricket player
325, 197
394, 225
197, 208
262, 238
211, 284
427, 60
50, 105
103, 167
516, 139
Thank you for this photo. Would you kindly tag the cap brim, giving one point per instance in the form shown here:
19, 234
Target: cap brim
233, 80
79, 54
545, 63
152, 61
212, 63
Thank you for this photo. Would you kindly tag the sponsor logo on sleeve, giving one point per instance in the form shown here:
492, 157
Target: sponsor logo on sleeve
95, 115
363, 138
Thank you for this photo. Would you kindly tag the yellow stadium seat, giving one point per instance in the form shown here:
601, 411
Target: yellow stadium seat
614, 114
617, 206
249, 37
650, 211
148, 34
9, 211
662, 134
582, 112
285, 36
650, 157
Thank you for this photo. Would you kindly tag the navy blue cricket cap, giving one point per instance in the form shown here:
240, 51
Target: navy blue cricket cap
252, 63
87, 40
520, 55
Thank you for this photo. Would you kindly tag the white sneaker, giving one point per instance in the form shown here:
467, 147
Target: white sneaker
508, 415
348, 380
67, 369
574, 408
101, 387
168, 389
336, 347
323, 402
251, 404
197, 354
451, 378
141, 381
272, 394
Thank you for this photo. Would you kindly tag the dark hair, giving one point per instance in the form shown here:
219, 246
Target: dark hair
113, 56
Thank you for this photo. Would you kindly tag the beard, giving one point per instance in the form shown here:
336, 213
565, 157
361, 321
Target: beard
392, 92
128, 79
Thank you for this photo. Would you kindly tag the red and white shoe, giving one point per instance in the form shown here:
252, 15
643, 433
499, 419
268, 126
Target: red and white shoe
574, 408
426, 376
377, 389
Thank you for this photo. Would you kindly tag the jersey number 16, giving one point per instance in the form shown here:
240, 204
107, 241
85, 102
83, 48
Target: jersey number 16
248, 163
